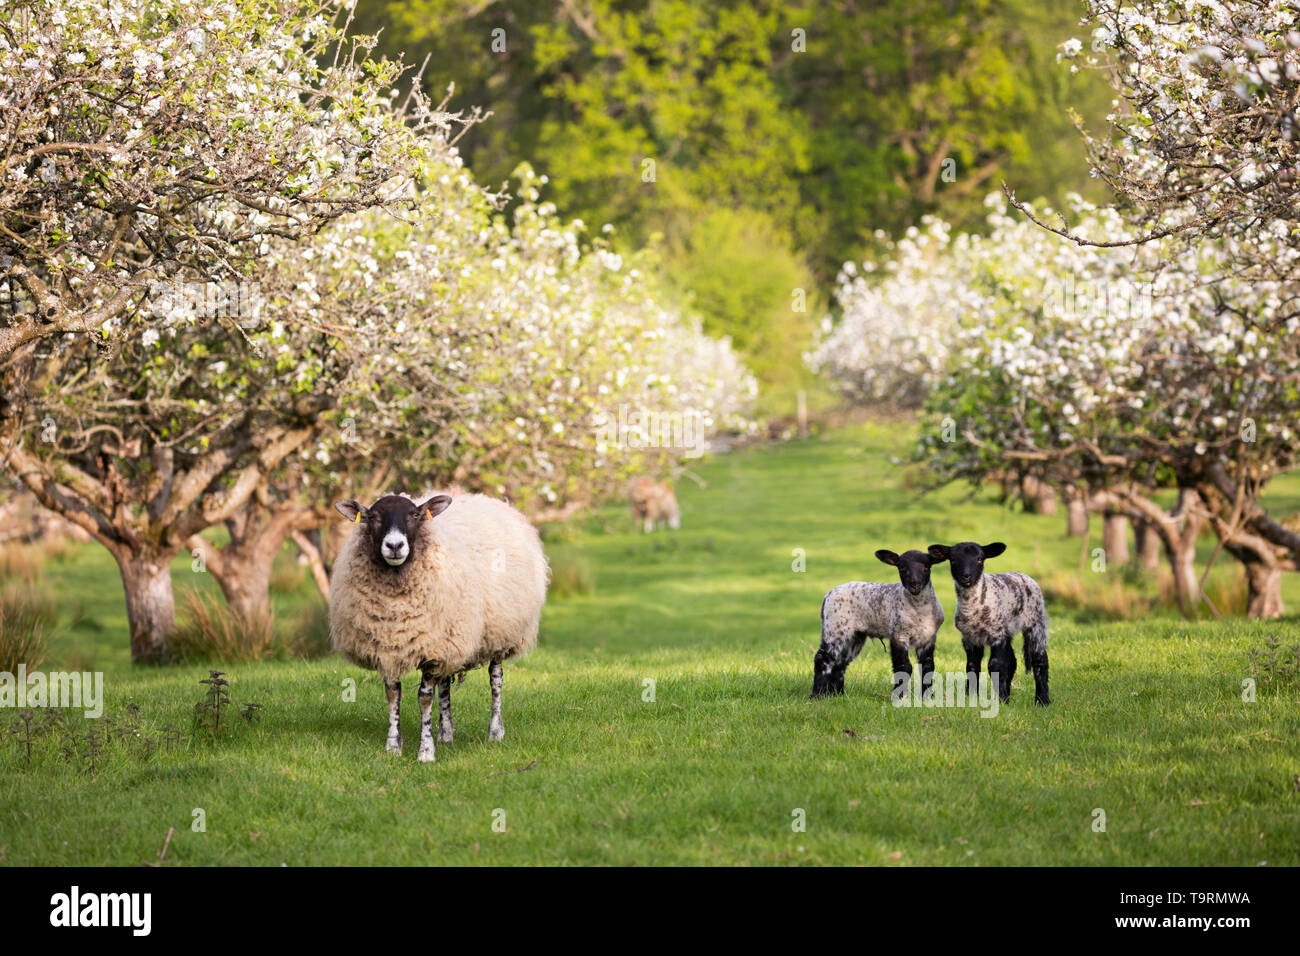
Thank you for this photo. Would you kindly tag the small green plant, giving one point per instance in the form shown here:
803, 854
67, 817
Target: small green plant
171, 736
208, 711
25, 734
216, 701
1275, 663
94, 749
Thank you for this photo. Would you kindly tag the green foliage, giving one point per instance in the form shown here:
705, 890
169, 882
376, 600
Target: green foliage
737, 269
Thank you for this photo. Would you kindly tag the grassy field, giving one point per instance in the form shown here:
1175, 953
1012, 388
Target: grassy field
1147, 722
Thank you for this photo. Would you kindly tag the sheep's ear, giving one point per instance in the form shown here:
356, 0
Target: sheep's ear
994, 549
889, 557
435, 506
350, 509
938, 553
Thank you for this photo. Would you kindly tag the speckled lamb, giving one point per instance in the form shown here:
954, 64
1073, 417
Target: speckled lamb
990, 609
907, 615
445, 585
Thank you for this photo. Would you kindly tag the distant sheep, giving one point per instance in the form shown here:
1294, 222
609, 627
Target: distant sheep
990, 609
445, 585
907, 615
654, 503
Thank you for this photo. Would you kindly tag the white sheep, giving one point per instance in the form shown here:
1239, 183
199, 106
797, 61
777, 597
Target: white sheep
444, 585
908, 615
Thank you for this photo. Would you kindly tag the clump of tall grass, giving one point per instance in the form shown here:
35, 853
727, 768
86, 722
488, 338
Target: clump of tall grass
22, 562
1127, 594
26, 618
1230, 592
1106, 596
208, 630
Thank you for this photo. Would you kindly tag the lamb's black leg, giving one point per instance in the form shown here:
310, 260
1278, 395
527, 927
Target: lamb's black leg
1036, 661
925, 658
902, 670
393, 688
974, 660
829, 664
1002, 665
823, 664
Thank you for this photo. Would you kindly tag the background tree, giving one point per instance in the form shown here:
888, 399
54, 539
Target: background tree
163, 142
1123, 371
782, 133
195, 154
1204, 145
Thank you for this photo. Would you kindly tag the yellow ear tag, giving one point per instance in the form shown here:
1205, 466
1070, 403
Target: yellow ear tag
356, 518
428, 514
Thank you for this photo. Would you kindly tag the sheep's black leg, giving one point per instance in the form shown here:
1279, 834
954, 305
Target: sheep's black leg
1002, 666
974, 659
428, 688
925, 658
393, 688
902, 670
496, 728
446, 726
1036, 661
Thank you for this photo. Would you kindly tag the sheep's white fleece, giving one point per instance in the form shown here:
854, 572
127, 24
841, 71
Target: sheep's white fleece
472, 591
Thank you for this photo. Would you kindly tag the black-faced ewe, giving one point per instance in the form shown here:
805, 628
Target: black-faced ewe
990, 609
444, 585
907, 615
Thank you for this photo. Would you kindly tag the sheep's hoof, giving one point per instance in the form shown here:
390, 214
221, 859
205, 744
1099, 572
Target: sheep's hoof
497, 732
394, 745
426, 754
445, 736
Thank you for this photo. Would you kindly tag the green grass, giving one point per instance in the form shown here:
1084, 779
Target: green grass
1147, 721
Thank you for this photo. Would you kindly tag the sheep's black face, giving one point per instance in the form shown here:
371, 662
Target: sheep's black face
913, 568
392, 525
967, 559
